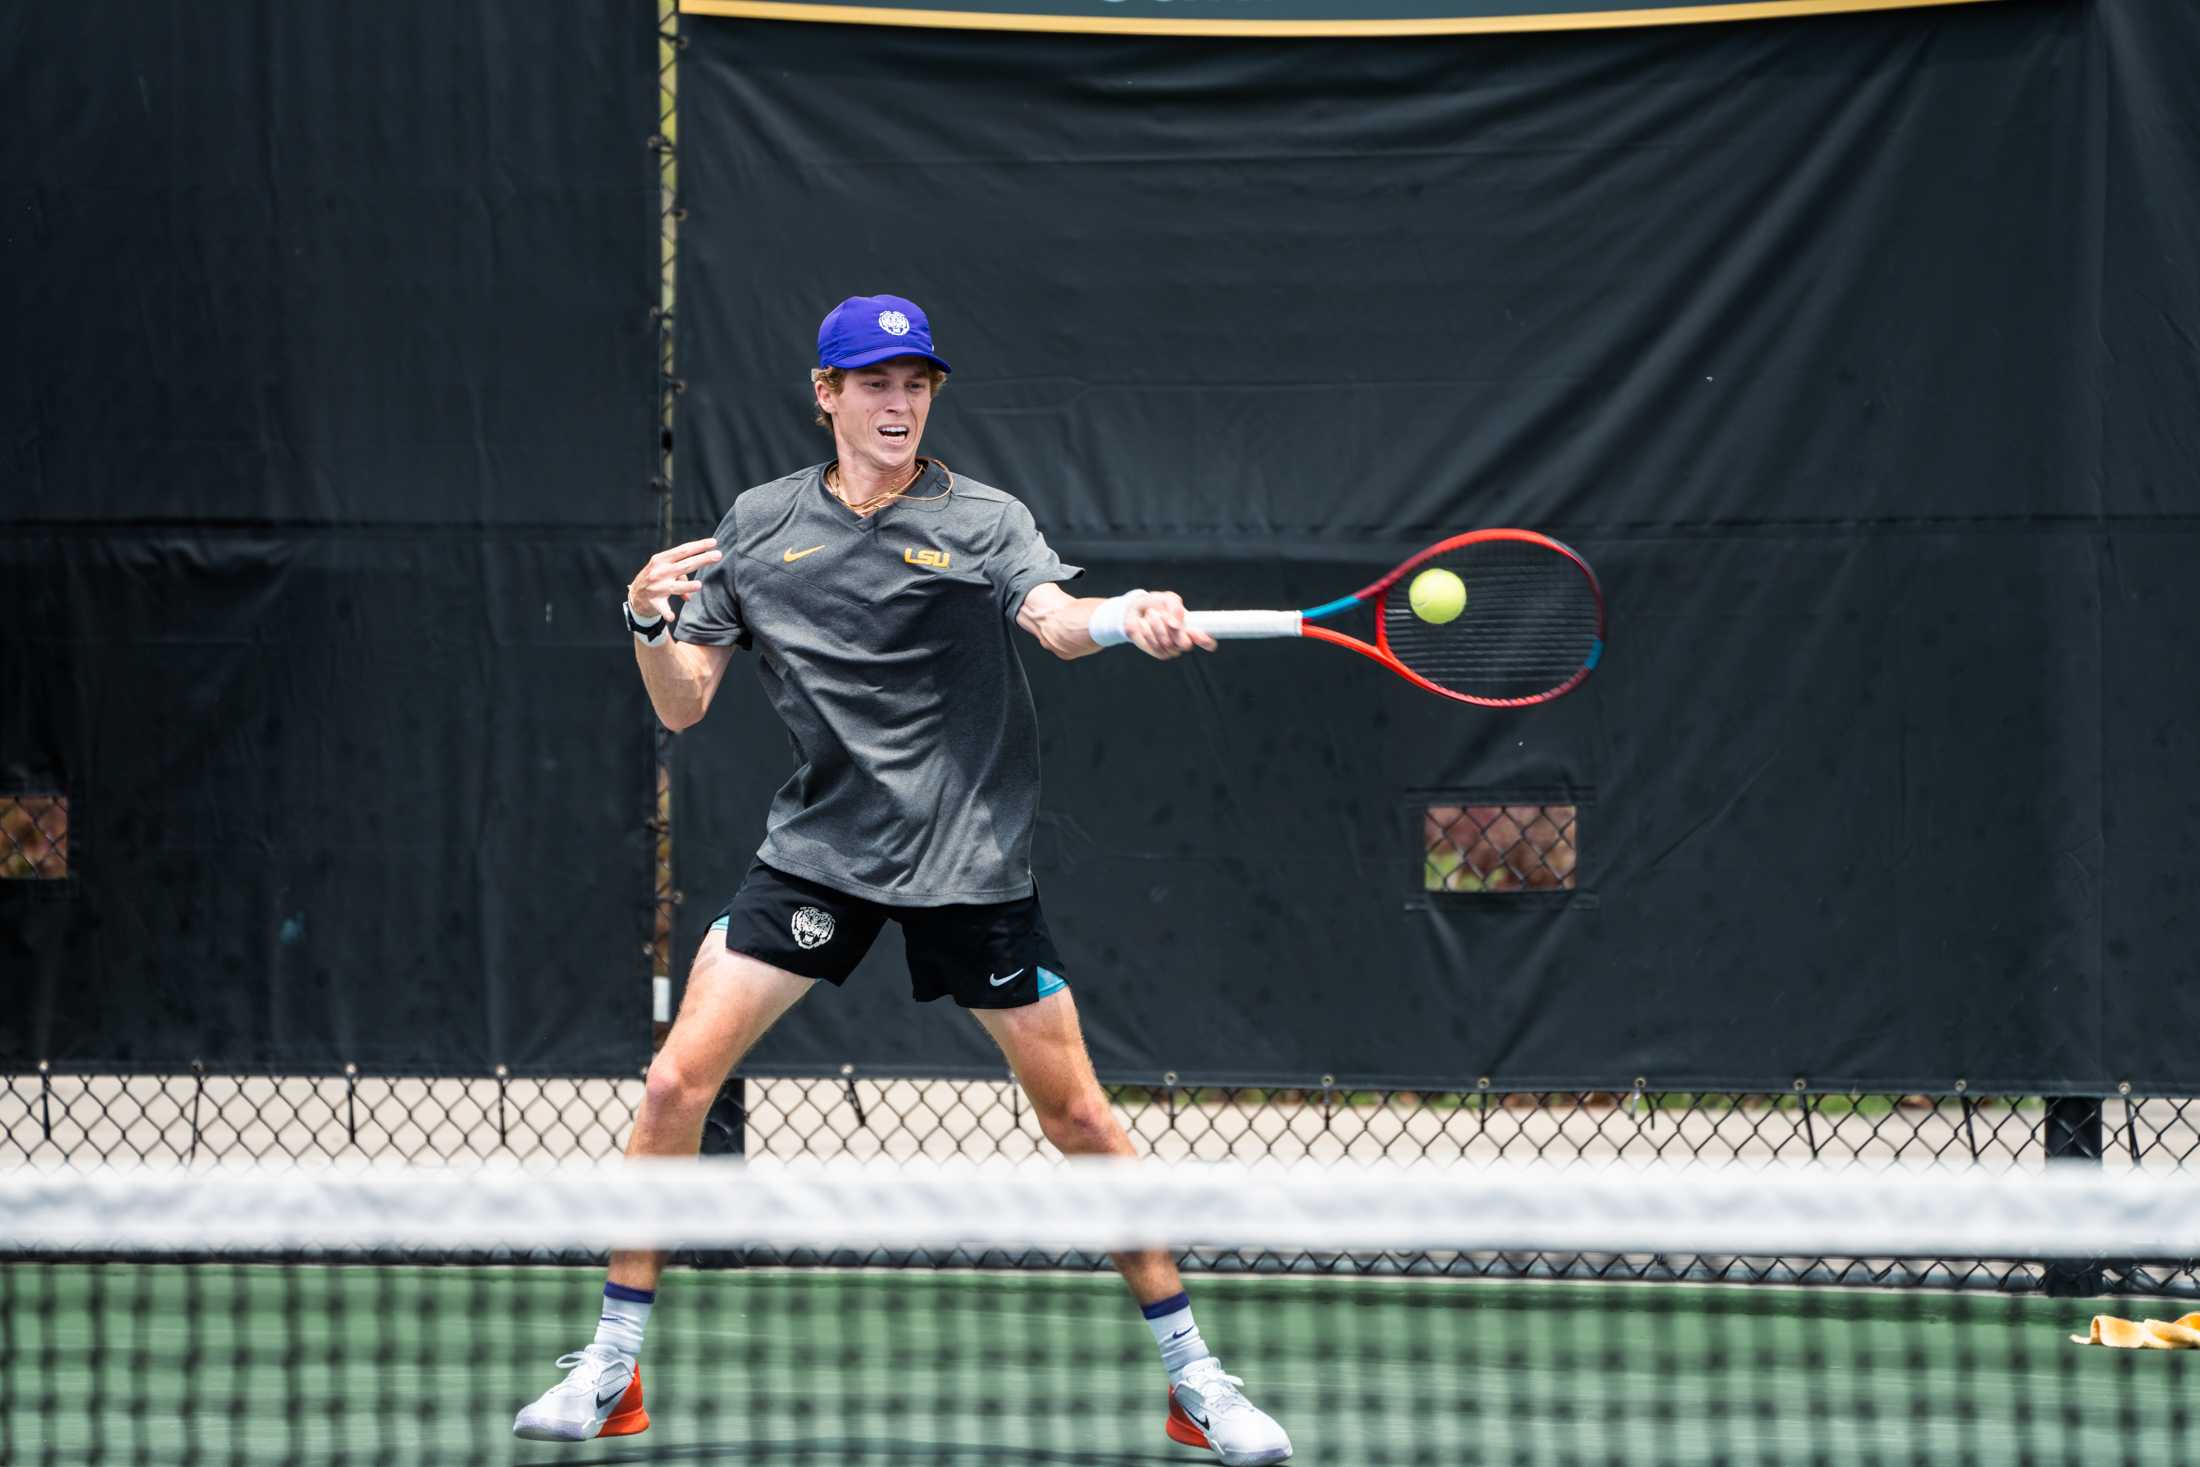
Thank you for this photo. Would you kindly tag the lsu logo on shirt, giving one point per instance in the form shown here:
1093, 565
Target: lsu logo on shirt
929, 559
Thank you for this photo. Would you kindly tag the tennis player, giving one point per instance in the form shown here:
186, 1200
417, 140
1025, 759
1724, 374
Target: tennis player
878, 591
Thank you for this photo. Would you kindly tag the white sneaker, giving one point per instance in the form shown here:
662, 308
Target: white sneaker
600, 1396
1206, 1409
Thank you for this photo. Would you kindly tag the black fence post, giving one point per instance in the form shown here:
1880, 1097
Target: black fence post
725, 1133
2074, 1135
726, 1125
2073, 1128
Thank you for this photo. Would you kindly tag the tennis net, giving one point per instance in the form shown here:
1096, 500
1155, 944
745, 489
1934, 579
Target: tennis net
861, 1316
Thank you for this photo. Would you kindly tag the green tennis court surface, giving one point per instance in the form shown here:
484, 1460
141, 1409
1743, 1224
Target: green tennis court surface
265, 1364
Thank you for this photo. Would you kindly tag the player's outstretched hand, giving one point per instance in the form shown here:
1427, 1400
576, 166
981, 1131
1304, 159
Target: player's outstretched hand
670, 573
1157, 628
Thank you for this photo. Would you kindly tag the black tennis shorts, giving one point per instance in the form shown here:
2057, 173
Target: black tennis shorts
990, 955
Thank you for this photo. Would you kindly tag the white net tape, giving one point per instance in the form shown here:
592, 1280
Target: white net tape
2078, 1212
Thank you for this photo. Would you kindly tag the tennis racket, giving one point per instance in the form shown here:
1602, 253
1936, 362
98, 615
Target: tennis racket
1532, 628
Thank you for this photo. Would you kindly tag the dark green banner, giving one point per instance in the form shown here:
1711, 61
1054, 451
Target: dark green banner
1284, 17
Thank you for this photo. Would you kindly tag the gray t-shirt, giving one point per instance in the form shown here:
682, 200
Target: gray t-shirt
886, 643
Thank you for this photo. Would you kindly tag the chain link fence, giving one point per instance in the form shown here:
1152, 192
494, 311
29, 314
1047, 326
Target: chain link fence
1499, 848
77, 1122
34, 837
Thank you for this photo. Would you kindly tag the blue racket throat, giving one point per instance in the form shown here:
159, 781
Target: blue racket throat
1596, 654
1330, 608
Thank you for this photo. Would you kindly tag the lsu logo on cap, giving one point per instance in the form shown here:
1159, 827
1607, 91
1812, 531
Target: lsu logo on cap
893, 323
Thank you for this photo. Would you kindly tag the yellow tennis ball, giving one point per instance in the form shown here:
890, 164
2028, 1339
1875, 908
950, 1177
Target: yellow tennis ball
1437, 595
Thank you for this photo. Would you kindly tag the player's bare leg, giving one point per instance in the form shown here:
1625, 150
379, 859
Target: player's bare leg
1046, 1048
731, 1000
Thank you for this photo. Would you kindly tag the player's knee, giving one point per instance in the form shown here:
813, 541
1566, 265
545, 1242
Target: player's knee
672, 1088
1084, 1127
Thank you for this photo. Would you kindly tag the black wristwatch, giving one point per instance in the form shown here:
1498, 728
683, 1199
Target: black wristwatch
651, 633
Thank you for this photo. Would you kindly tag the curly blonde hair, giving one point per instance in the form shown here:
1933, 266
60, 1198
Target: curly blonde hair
833, 377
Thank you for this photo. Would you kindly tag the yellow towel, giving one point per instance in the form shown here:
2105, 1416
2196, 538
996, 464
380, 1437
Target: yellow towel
2143, 1334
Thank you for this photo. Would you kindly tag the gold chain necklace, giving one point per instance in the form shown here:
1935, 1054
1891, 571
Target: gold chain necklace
879, 501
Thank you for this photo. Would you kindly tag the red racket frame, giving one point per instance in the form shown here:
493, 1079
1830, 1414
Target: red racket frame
1380, 651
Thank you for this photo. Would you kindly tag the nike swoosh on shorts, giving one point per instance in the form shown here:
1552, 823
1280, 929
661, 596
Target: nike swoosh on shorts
1004, 982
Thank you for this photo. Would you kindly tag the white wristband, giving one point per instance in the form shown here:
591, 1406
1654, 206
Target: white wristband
1106, 628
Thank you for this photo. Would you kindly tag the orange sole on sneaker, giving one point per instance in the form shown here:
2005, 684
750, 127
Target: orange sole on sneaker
1181, 1428
628, 1418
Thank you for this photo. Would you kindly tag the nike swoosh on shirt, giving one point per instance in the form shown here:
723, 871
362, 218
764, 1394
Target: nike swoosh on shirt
792, 556
1003, 982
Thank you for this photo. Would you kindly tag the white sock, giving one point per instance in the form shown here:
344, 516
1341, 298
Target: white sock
1170, 1320
625, 1314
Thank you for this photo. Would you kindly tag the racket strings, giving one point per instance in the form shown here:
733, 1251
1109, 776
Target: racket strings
1531, 623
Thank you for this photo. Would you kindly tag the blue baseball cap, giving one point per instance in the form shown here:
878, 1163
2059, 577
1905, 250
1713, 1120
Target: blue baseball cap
870, 328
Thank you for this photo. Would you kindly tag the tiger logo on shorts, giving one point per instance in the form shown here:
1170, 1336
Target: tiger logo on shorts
812, 927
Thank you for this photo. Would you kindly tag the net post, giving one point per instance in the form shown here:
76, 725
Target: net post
2073, 1135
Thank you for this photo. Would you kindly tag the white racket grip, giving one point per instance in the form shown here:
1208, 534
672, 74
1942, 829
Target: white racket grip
1226, 626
